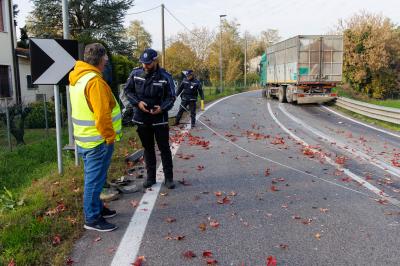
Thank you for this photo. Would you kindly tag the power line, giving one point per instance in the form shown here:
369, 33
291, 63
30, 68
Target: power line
181, 23
147, 10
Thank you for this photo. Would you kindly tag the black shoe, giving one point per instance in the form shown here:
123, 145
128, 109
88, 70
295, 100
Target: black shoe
107, 213
193, 126
100, 225
149, 182
169, 184
176, 123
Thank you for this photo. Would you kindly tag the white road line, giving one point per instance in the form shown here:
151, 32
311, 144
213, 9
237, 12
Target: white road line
361, 123
353, 151
130, 243
355, 177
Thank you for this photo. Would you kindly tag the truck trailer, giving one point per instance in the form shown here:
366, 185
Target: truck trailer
303, 69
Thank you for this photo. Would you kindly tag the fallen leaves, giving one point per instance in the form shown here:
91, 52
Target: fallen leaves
202, 227
56, 240
59, 208
207, 254
11, 262
139, 261
340, 160
134, 203
200, 167
278, 140
274, 188
177, 237
97, 239
170, 220
317, 236
189, 254
267, 172
224, 200
214, 223
271, 261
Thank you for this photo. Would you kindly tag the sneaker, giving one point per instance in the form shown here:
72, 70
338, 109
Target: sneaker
169, 184
100, 225
148, 183
107, 213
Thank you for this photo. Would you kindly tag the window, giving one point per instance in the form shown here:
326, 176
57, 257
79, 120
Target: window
40, 97
1, 16
5, 81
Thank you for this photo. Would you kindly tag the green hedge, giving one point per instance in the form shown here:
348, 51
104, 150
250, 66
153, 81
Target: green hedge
36, 117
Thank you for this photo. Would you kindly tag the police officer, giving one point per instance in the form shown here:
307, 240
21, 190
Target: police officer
189, 90
151, 91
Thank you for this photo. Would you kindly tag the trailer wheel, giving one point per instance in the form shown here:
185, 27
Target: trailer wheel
282, 94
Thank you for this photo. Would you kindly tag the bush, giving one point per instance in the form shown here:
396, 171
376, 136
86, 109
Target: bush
36, 117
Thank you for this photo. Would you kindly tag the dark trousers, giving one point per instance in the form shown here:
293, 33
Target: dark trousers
191, 106
147, 134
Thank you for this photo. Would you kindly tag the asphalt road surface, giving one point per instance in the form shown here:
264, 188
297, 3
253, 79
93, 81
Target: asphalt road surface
261, 179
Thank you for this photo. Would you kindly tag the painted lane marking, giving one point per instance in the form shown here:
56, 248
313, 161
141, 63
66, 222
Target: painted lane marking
130, 243
355, 177
353, 151
361, 123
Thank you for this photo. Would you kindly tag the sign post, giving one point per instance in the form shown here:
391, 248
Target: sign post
51, 61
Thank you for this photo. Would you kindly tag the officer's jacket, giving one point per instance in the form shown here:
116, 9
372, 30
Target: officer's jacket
190, 89
156, 88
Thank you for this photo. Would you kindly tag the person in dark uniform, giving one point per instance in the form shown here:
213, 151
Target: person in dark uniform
150, 90
189, 90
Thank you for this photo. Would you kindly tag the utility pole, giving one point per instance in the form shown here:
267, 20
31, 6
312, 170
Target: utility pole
245, 59
220, 53
162, 35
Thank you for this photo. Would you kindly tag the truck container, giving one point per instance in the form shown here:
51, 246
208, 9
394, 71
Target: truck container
303, 69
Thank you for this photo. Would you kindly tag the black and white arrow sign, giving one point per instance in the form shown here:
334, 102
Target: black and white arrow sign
52, 60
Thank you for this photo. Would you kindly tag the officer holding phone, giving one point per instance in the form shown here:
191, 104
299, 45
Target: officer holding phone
151, 91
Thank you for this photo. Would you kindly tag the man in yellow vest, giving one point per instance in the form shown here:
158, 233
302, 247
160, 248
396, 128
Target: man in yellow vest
96, 117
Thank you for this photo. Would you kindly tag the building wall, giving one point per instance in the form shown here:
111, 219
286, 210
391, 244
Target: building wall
6, 57
29, 95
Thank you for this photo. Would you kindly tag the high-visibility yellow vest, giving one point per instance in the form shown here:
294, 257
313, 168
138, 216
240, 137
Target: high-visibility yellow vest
85, 132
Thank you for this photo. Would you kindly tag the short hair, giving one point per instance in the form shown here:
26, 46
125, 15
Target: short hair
93, 53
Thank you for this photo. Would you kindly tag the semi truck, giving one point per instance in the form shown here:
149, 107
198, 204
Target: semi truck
303, 69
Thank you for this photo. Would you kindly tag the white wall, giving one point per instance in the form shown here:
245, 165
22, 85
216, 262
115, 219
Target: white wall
29, 95
5, 43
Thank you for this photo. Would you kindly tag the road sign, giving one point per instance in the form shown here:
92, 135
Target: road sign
52, 60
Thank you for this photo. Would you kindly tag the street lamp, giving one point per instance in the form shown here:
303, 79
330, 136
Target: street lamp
220, 52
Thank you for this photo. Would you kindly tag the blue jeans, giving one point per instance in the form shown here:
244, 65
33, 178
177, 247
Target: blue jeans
96, 162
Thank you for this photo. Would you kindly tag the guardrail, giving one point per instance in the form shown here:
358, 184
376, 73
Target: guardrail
387, 114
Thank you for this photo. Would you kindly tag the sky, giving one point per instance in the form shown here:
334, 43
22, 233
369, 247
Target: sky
289, 17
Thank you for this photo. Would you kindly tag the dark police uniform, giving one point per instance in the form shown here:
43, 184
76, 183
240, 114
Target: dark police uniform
189, 91
156, 88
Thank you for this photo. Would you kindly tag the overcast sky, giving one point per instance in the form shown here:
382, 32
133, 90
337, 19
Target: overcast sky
289, 17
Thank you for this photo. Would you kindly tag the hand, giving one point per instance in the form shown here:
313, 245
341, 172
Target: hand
156, 110
142, 106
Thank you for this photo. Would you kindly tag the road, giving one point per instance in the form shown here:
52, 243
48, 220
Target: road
261, 179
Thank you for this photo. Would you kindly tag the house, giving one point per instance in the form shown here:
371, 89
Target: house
29, 92
8, 80
15, 62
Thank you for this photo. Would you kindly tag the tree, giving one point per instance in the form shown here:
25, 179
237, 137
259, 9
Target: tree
258, 44
97, 19
371, 55
232, 54
24, 38
17, 114
138, 37
179, 57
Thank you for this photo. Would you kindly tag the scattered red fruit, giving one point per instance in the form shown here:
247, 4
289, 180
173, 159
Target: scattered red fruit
271, 261
56, 240
189, 254
207, 254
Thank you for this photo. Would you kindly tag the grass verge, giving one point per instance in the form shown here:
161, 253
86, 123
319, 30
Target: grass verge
46, 217
372, 121
393, 103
